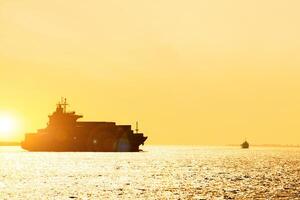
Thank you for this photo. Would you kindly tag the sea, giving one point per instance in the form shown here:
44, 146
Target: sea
159, 172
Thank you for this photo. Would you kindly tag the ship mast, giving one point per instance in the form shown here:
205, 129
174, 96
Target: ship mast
64, 104
136, 126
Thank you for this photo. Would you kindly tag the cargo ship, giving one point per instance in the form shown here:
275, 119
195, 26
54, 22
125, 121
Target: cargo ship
65, 133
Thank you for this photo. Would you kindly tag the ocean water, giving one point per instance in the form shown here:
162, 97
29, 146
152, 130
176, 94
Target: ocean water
160, 172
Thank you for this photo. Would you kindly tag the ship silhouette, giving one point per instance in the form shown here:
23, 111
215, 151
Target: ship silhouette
245, 145
65, 133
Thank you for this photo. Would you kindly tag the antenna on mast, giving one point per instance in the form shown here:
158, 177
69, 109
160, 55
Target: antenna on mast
136, 126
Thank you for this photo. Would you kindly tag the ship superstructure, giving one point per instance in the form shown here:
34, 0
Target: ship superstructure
65, 133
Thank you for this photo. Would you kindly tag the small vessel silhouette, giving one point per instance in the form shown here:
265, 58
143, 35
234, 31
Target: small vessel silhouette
245, 145
65, 133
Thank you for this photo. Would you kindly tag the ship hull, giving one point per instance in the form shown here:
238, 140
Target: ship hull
120, 145
86, 136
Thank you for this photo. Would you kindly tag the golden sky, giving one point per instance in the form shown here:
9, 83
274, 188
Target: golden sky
192, 72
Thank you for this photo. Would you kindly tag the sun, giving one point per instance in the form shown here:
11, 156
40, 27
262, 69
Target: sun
7, 126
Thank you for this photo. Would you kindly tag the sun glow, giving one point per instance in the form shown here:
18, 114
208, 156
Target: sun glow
8, 127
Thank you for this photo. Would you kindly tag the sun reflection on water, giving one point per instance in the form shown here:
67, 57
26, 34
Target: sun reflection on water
160, 172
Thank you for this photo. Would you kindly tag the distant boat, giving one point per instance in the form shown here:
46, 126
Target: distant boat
245, 145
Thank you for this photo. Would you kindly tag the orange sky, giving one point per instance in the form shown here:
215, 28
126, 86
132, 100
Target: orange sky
192, 72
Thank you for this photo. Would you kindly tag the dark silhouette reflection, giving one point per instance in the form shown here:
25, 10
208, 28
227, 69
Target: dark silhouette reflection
65, 133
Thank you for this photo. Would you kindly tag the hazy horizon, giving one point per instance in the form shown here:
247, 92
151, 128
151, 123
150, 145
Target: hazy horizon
192, 72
